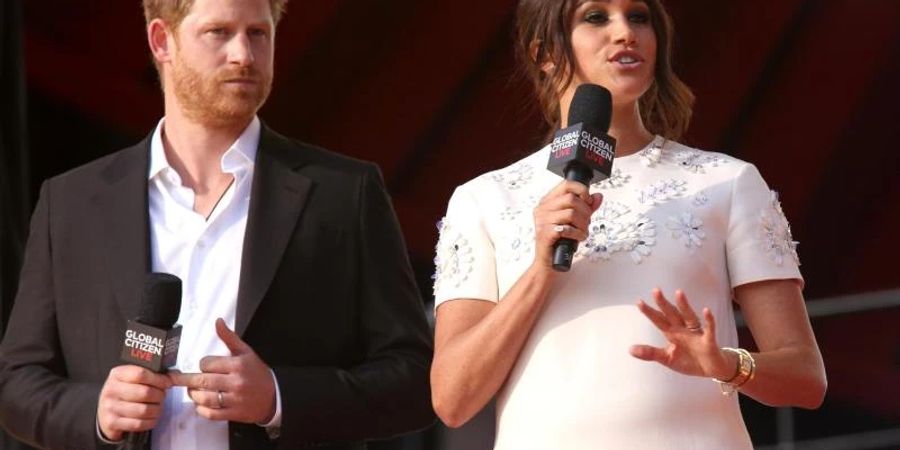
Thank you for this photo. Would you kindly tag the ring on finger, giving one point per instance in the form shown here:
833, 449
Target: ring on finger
694, 327
221, 397
560, 228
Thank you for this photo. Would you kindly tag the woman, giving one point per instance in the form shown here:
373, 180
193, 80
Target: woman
574, 363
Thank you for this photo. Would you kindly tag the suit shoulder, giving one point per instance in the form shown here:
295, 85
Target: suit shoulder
314, 157
104, 166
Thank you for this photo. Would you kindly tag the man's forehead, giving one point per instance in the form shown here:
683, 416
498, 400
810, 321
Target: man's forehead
227, 11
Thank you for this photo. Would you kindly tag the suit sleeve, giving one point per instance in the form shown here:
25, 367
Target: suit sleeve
388, 393
38, 403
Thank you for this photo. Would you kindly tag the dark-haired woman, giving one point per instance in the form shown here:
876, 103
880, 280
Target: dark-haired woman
573, 362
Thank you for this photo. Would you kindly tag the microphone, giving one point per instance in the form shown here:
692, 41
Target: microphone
582, 152
151, 339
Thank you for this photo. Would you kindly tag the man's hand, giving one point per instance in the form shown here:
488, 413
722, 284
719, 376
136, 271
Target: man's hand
237, 388
130, 401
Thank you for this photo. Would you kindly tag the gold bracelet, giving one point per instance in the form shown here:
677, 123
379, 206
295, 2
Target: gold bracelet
746, 369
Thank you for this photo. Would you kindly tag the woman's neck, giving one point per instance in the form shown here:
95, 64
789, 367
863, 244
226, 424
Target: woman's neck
628, 129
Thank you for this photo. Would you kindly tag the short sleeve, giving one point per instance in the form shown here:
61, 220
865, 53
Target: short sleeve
759, 245
464, 260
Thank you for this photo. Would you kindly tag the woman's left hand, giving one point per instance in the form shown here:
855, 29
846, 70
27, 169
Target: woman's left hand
692, 348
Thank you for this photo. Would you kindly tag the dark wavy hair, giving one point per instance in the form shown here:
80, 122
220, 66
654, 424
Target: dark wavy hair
665, 108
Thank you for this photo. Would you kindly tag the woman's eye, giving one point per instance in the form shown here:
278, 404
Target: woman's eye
639, 17
596, 17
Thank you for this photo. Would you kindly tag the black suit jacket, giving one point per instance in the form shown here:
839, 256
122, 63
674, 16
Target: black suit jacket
326, 298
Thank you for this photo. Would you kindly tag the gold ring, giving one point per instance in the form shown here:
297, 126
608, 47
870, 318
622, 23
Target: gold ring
221, 398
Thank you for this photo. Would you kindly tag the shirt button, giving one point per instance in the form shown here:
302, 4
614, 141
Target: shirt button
181, 426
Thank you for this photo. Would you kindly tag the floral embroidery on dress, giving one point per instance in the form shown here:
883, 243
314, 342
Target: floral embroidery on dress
775, 233
518, 244
696, 161
514, 177
688, 228
610, 231
616, 180
509, 214
662, 190
700, 199
453, 257
652, 154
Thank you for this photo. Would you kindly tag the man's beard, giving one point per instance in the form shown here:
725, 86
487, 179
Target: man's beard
210, 101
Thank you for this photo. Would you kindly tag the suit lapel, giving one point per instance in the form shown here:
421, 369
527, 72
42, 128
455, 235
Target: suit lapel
276, 201
124, 222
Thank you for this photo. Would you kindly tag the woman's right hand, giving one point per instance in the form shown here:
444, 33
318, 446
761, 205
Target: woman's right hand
565, 212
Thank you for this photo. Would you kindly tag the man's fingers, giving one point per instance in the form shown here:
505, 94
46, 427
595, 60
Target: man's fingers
128, 424
231, 339
138, 393
139, 375
202, 381
141, 411
217, 364
211, 399
215, 414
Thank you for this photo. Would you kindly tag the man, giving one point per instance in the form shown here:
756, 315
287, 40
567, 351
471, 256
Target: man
302, 325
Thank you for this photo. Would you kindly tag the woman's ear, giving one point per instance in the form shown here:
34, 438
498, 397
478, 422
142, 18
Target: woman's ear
538, 54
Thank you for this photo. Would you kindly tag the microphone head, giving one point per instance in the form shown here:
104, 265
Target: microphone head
591, 105
162, 300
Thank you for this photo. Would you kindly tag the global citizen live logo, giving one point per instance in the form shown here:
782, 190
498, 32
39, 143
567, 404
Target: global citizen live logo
598, 149
150, 347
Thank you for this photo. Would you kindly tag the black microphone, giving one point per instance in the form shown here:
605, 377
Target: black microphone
582, 152
151, 339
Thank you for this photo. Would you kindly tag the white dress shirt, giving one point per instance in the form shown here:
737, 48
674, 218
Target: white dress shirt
206, 255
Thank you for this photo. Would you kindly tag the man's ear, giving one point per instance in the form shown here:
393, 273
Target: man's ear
158, 38
537, 53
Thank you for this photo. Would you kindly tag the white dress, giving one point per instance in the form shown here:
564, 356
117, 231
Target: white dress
672, 217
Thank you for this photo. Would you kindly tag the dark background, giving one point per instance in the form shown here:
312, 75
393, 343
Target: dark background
805, 89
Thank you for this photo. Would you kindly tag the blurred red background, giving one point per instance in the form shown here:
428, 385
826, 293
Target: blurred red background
805, 89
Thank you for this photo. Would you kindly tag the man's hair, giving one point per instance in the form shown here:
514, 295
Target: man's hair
172, 12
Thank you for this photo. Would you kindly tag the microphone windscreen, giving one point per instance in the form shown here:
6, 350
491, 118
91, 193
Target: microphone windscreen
162, 300
591, 105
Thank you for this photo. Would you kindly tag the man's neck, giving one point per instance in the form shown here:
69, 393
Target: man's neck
195, 150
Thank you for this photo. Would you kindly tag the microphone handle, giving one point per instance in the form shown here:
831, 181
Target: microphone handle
136, 441
564, 248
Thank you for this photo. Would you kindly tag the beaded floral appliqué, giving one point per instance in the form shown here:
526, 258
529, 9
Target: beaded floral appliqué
616, 180
612, 231
775, 233
661, 191
520, 242
514, 177
697, 161
687, 228
653, 154
453, 257
700, 199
